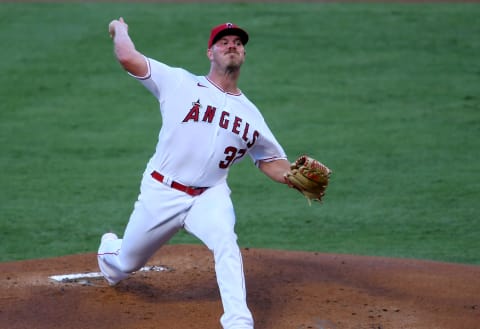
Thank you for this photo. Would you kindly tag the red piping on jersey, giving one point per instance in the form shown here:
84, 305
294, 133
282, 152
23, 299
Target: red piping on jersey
221, 89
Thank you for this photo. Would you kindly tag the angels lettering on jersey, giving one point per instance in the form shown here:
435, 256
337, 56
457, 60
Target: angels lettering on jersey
225, 120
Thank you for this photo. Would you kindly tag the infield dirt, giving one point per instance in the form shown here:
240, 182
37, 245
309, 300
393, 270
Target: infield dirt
285, 290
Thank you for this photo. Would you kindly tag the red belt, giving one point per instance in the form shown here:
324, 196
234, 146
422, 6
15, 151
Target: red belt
190, 190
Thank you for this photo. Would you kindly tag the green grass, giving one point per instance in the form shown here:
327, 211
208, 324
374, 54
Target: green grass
387, 95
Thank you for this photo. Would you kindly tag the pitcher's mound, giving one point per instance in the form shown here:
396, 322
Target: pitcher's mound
293, 290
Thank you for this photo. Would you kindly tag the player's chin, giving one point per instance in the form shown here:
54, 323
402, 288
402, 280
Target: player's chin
235, 64
233, 68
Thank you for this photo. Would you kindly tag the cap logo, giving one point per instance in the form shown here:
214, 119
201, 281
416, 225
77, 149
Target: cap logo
229, 25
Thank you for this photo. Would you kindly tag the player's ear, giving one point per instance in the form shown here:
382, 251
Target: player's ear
209, 53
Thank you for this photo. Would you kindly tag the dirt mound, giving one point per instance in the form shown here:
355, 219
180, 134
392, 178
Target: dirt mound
285, 290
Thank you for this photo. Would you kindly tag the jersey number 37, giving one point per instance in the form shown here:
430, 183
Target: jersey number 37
232, 154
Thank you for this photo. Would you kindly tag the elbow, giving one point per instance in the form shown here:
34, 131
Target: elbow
126, 54
132, 61
124, 58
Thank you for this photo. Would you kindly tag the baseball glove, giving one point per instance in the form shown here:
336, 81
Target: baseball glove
309, 176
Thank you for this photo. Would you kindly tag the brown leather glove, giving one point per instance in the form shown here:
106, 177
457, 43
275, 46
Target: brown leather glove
309, 176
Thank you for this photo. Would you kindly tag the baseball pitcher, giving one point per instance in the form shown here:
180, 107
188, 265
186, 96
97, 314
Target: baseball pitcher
208, 124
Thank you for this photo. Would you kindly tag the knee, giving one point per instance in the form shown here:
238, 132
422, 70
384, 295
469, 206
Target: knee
128, 268
225, 247
225, 241
130, 264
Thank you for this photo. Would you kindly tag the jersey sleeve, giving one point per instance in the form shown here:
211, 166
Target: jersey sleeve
160, 78
266, 148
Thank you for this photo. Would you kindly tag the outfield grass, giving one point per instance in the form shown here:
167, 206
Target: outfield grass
387, 95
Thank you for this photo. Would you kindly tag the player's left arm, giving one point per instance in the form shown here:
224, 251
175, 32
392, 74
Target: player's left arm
276, 169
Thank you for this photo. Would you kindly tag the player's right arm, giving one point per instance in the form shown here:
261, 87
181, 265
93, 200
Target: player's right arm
131, 60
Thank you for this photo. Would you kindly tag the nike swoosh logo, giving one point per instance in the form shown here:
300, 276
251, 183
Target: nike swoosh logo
200, 85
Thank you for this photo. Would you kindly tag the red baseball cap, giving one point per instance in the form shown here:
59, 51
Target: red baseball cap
227, 29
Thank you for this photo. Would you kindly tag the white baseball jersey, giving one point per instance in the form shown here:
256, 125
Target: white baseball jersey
204, 129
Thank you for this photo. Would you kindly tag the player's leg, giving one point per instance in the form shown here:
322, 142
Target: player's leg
212, 220
158, 214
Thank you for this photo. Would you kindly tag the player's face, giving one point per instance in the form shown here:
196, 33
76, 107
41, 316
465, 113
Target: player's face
228, 52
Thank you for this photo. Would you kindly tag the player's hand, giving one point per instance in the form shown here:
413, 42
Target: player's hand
115, 24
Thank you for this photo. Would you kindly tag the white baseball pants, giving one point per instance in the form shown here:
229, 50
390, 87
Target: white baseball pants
159, 213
